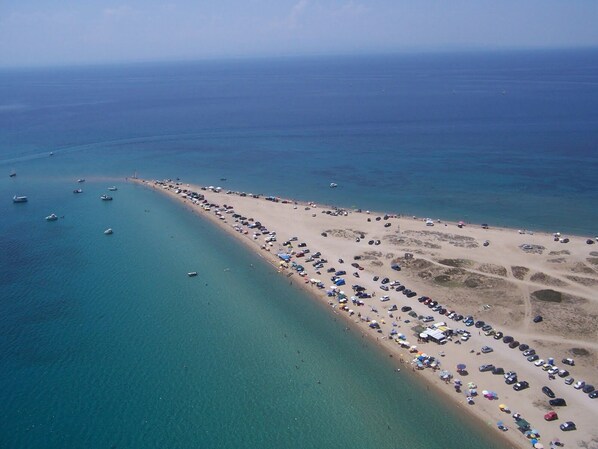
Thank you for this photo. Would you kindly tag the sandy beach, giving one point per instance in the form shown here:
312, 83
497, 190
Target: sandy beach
504, 277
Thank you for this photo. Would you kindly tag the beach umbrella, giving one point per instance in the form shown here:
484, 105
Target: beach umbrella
472, 385
500, 424
502, 406
484, 392
534, 441
539, 446
461, 366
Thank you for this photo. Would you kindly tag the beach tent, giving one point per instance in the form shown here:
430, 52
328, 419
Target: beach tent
522, 424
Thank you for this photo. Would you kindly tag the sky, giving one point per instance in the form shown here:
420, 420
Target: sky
59, 32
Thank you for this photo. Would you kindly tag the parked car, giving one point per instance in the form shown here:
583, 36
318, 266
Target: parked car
569, 380
529, 352
566, 426
485, 368
510, 374
551, 416
487, 349
538, 318
533, 358
523, 347
588, 388
479, 324
507, 339
539, 362
593, 394
511, 380
513, 344
521, 385
405, 309
579, 385
563, 373
558, 402
498, 335
486, 328
548, 392
498, 370
569, 362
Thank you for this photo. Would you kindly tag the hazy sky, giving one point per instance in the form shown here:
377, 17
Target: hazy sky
42, 32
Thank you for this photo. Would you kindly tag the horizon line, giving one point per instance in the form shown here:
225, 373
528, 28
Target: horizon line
298, 56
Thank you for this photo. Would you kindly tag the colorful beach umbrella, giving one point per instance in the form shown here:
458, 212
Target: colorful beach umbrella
461, 366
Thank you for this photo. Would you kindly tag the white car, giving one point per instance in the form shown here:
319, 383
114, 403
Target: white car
385, 298
579, 384
569, 380
539, 362
553, 371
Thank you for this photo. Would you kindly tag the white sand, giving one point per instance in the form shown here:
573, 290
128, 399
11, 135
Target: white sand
485, 277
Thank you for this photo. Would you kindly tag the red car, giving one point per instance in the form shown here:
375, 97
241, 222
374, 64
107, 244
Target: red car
551, 416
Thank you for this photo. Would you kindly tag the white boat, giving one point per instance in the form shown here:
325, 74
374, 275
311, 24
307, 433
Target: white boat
52, 217
81, 180
112, 189
108, 231
19, 199
106, 198
192, 273
78, 191
333, 184
12, 174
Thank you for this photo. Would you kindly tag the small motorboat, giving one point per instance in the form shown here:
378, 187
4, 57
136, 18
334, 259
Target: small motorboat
106, 198
112, 189
19, 199
51, 217
192, 274
78, 191
81, 180
333, 185
12, 174
108, 231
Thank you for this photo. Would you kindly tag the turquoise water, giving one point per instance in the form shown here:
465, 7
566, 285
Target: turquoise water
107, 343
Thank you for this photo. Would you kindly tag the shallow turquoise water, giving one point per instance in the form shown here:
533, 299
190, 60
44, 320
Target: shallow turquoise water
107, 343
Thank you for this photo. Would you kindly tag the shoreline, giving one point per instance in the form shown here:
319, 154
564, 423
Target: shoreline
482, 411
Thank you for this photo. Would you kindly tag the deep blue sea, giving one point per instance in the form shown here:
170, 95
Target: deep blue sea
104, 340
